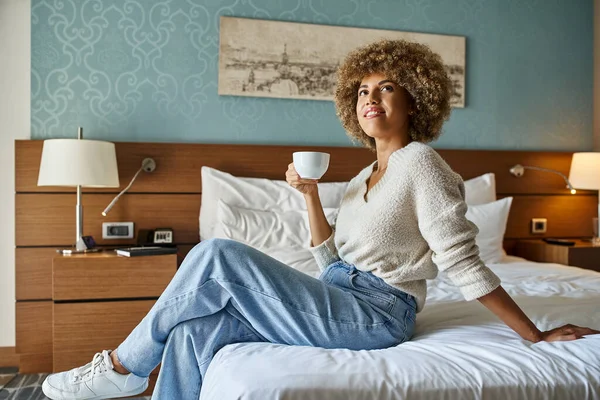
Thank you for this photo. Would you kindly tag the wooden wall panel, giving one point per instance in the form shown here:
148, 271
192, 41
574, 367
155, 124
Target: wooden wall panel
34, 336
178, 165
510, 246
37, 226
49, 219
33, 274
82, 329
568, 216
471, 163
34, 327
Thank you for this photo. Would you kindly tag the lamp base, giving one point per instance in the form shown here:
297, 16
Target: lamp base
81, 244
85, 244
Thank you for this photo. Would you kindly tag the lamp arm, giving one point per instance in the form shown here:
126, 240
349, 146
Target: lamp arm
112, 203
553, 171
148, 165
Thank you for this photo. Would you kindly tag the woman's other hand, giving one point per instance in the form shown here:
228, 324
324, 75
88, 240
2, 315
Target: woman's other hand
304, 186
567, 332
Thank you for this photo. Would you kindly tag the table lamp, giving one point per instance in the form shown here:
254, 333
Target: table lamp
79, 163
585, 174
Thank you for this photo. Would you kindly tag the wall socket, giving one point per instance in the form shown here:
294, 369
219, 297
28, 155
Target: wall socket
117, 230
539, 225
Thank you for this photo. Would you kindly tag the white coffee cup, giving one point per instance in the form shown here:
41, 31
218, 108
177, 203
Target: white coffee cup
311, 164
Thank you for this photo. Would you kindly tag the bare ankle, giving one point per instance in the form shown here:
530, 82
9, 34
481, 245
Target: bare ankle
117, 364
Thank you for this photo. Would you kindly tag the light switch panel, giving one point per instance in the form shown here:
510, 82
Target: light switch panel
539, 225
117, 230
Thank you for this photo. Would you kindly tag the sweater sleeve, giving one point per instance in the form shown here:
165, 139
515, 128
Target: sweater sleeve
440, 207
326, 252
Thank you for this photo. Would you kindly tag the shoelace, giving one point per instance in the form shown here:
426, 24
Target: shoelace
98, 364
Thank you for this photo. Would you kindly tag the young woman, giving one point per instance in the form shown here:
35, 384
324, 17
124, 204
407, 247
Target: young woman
401, 220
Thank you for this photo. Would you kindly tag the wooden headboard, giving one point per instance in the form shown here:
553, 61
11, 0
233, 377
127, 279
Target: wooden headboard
171, 196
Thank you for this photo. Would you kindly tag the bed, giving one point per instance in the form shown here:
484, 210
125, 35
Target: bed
459, 351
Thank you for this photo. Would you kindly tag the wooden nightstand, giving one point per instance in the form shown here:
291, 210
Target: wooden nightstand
98, 298
582, 254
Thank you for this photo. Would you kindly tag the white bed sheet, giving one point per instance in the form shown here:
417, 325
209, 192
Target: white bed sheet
459, 351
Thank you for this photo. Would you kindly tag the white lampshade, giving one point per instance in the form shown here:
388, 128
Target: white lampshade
73, 162
585, 171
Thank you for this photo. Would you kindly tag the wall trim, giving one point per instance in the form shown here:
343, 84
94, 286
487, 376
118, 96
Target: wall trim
15, 122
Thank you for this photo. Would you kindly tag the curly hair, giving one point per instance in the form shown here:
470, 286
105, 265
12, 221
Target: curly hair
412, 66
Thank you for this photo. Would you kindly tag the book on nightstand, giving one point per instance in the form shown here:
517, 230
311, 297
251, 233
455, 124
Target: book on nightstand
145, 251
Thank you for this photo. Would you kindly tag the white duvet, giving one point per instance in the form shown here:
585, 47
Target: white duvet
459, 351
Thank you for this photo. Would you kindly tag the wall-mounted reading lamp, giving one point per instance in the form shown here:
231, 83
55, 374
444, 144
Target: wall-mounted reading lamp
148, 165
584, 173
518, 171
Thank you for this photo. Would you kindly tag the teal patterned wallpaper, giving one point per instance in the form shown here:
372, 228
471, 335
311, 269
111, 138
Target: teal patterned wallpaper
146, 70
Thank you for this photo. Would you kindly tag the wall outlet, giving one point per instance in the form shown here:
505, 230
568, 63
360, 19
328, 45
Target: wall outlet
117, 230
539, 225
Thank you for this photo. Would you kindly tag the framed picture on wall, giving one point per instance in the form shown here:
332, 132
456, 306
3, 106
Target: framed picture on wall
263, 58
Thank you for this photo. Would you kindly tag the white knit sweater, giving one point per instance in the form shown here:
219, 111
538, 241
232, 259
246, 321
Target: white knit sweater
412, 221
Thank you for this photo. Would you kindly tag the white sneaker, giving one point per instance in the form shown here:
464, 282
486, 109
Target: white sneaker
94, 381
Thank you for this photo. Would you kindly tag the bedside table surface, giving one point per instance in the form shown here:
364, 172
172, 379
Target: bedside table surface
582, 254
578, 243
104, 254
100, 254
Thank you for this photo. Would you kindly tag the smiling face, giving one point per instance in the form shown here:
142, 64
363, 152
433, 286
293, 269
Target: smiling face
382, 107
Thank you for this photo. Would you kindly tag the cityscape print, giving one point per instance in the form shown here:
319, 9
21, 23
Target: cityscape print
262, 58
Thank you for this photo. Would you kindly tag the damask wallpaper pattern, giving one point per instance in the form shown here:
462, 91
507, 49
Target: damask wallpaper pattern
146, 70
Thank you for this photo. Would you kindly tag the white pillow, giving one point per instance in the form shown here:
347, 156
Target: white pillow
284, 236
256, 194
480, 190
491, 220
266, 229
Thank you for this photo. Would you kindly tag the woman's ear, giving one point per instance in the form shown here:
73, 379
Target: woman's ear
411, 104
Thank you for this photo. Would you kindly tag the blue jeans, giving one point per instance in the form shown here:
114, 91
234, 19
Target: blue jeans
226, 292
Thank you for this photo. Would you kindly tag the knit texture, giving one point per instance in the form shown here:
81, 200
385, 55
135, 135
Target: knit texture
411, 224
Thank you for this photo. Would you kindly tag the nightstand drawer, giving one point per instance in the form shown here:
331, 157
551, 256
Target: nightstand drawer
83, 329
106, 276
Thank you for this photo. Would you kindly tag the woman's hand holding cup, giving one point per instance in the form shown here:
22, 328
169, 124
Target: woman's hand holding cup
304, 186
306, 170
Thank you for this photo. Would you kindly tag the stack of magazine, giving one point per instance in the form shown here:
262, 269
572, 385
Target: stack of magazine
145, 251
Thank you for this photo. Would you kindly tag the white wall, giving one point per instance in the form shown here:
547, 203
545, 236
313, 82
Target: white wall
15, 53
597, 75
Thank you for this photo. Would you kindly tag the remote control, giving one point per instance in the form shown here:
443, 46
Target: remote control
561, 242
